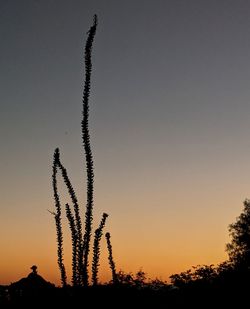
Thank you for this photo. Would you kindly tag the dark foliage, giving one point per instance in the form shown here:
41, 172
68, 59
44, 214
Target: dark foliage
239, 248
228, 283
199, 274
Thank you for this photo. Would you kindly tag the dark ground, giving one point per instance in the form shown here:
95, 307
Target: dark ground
108, 296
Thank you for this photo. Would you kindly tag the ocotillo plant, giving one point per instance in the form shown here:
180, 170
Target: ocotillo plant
80, 243
96, 249
111, 259
83, 242
87, 149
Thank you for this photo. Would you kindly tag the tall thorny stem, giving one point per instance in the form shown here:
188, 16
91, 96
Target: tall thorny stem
75, 248
58, 221
111, 259
78, 223
80, 242
96, 249
87, 148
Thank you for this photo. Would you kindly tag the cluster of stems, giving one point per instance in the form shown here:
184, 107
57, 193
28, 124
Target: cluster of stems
80, 241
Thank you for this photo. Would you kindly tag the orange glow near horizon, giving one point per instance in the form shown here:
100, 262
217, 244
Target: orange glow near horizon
154, 225
158, 245
160, 265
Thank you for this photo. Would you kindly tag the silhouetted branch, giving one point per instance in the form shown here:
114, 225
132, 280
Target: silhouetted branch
87, 148
77, 218
57, 217
96, 249
74, 238
111, 260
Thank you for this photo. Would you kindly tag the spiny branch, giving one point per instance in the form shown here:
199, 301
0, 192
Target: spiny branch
77, 216
96, 249
87, 148
111, 259
58, 220
74, 239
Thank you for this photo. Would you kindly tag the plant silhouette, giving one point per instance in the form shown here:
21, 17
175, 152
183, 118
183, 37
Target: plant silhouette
229, 281
80, 241
239, 248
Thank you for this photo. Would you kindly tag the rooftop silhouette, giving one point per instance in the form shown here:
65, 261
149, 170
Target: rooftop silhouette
32, 281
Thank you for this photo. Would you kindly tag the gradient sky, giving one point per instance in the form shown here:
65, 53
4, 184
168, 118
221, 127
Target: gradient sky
169, 121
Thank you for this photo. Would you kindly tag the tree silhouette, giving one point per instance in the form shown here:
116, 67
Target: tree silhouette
233, 274
239, 248
198, 274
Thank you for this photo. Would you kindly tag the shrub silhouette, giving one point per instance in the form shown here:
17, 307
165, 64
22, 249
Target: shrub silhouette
199, 274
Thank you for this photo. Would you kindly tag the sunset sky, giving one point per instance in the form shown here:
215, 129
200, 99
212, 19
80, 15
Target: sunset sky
169, 124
